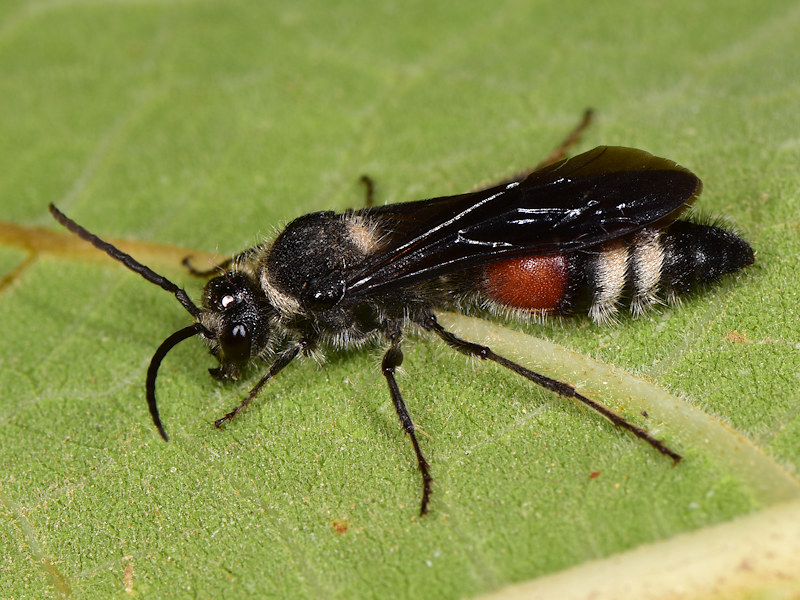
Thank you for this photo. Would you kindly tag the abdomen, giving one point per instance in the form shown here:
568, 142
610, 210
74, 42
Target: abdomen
654, 266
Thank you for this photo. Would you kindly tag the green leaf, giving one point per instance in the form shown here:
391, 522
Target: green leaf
205, 126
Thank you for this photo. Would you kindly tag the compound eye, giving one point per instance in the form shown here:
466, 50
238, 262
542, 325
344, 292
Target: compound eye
235, 343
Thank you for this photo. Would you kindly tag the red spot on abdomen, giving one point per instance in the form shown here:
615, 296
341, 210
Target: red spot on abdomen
528, 283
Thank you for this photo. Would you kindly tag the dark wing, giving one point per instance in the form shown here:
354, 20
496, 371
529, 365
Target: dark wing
589, 199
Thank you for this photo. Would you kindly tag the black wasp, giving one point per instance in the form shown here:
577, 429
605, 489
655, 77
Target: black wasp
582, 233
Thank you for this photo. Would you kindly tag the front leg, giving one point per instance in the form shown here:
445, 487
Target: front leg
283, 359
218, 269
391, 361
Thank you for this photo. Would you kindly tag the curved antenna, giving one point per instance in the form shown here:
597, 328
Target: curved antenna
152, 371
127, 260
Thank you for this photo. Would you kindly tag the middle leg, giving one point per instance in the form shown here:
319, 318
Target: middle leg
391, 361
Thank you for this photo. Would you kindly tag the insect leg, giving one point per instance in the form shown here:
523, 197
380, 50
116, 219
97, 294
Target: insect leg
563, 389
560, 152
220, 268
568, 142
556, 155
284, 358
369, 190
391, 361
